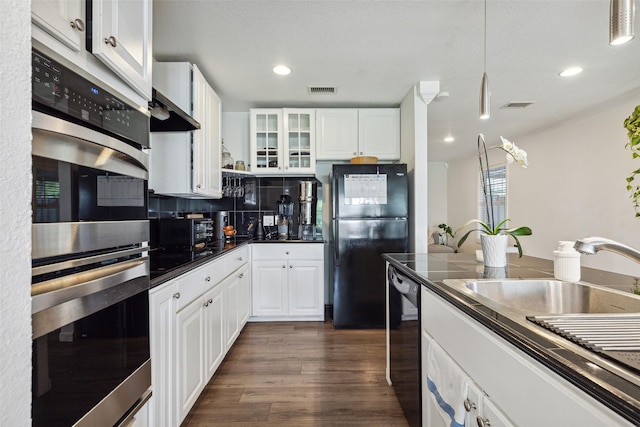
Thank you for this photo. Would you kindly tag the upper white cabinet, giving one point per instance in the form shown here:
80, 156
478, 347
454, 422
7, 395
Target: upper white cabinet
343, 133
187, 164
63, 19
282, 141
121, 38
109, 39
207, 141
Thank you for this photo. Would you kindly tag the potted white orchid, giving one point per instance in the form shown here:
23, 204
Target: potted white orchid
499, 229
494, 247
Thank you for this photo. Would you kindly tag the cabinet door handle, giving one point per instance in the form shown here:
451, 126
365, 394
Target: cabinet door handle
210, 300
284, 266
290, 266
483, 422
207, 279
176, 295
287, 252
241, 275
469, 405
111, 41
355, 154
78, 24
239, 258
206, 304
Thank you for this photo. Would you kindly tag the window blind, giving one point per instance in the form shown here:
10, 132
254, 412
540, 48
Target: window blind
496, 179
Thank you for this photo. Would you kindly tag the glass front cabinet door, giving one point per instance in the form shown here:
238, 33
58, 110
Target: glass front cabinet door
266, 141
283, 141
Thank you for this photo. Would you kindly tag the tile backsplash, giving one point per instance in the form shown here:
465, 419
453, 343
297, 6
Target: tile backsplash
259, 198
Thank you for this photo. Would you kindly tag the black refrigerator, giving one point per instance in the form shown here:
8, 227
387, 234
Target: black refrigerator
370, 209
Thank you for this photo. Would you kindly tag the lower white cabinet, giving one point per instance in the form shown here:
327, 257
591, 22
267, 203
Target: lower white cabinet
201, 345
287, 281
508, 387
194, 321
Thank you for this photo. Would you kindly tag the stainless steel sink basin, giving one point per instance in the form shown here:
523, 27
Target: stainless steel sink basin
544, 296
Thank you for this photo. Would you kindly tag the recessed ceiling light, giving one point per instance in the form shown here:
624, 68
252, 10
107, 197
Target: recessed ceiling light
568, 72
449, 139
282, 70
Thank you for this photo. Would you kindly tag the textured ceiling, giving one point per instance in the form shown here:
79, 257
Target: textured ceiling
375, 51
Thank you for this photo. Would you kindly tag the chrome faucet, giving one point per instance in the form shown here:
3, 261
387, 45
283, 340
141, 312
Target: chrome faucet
591, 245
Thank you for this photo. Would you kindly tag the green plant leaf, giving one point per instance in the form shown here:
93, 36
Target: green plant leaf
496, 230
520, 231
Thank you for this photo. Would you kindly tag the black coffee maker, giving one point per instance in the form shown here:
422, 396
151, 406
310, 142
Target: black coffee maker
285, 214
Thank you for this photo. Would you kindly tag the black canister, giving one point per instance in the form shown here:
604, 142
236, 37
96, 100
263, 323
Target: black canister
220, 219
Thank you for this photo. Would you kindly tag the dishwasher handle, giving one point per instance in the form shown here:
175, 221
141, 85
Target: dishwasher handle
407, 287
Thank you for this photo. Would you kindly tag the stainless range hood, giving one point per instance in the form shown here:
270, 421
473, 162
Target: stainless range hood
168, 117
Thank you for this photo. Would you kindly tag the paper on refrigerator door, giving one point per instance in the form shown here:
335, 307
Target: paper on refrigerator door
365, 189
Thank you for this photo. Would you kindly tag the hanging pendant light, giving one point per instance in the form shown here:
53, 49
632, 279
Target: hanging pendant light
485, 98
621, 17
485, 95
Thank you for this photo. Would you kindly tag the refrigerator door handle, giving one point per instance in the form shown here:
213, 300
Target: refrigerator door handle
336, 243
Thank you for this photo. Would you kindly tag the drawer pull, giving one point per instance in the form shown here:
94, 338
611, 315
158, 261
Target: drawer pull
207, 279
111, 41
78, 24
483, 422
287, 252
240, 259
241, 275
469, 405
176, 295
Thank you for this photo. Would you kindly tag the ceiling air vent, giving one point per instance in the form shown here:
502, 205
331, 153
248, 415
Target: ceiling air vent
517, 104
322, 90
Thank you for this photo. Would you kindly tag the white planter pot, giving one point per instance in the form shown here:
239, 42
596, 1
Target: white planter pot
494, 249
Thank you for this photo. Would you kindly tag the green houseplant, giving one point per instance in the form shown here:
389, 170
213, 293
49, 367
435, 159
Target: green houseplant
497, 230
632, 124
446, 231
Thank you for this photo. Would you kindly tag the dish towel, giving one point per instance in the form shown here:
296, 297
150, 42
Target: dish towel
447, 384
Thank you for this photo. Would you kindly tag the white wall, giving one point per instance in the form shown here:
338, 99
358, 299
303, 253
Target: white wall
574, 186
15, 214
437, 195
235, 133
413, 151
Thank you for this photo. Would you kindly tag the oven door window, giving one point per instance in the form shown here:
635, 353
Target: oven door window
76, 366
65, 192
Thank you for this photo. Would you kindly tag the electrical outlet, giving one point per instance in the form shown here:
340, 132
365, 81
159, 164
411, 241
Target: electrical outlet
268, 221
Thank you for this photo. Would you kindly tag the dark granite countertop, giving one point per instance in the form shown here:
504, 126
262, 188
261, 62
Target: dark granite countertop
315, 240
616, 386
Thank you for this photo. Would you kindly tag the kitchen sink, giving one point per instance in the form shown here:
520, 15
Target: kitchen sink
544, 296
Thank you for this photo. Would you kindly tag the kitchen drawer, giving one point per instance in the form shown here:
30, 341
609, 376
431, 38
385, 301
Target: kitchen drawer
195, 283
286, 251
235, 260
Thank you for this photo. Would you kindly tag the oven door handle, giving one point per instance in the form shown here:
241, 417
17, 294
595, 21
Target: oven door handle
60, 290
49, 268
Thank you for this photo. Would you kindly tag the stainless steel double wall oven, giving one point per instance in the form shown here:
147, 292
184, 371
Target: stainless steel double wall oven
90, 276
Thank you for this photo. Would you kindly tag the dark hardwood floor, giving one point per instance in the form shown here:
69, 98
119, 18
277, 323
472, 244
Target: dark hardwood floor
300, 374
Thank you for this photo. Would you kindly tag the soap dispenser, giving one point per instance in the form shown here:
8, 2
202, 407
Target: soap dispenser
566, 262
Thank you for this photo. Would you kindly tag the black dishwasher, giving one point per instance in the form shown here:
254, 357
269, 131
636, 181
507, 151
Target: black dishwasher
404, 349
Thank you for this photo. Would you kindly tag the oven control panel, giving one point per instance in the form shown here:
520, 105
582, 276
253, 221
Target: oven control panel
60, 91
